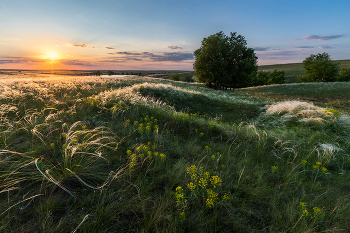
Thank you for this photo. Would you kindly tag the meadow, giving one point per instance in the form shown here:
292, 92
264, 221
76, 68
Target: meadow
142, 154
293, 70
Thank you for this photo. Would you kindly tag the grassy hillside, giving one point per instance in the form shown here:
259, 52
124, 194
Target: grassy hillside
328, 95
137, 154
293, 70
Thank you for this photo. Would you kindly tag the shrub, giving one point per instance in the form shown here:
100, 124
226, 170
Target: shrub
186, 77
344, 74
276, 77
268, 78
175, 77
261, 78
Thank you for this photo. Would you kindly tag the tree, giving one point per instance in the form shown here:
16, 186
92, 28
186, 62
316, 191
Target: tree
320, 68
225, 61
110, 72
96, 73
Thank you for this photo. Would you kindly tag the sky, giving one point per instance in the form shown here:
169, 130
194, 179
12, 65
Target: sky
163, 34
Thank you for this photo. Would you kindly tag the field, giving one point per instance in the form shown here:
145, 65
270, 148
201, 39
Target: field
143, 154
293, 70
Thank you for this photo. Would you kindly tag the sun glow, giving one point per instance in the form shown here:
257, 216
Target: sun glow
51, 56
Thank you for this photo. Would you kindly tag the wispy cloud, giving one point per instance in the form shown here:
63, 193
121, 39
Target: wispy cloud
75, 62
326, 47
109, 48
261, 48
279, 54
79, 45
148, 56
321, 38
17, 60
174, 57
125, 53
303, 47
8, 60
174, 47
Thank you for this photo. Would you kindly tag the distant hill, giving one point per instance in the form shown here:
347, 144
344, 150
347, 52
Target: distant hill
294, 69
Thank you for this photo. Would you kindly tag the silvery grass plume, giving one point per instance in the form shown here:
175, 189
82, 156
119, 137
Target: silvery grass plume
297, 112
326, 150
127, 97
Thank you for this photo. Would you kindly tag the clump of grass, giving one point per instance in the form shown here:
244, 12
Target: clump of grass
303, 113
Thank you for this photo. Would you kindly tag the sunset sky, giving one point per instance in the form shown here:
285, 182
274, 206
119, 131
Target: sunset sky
162, 35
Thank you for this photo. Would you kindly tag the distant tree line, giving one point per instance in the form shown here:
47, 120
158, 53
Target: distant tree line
268, 78
184, 77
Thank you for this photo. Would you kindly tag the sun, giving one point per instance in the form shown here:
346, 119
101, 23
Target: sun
51, 56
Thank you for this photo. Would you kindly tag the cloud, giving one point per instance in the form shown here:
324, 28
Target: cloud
13, 60
174, 47
113, 60
125, 53
109, 48
79, 45
321, 38
261, 48
175, 57
185, 42
75, 62
279, 54
148, 56
326, 47
303, 47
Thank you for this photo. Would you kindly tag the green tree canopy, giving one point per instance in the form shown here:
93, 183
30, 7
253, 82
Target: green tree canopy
225, 61
320, 68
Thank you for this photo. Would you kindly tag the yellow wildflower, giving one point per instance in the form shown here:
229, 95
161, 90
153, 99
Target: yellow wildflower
317, 210
303, 204
209, 203
225, 197
305, 212
206, 175
182, 216
215, 180
191, 186
202, 182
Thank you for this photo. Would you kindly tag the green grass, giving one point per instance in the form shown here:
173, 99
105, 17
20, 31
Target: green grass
293, 70
107, 154
329, 95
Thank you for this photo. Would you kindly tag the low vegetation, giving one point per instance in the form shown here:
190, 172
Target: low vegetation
140, 154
